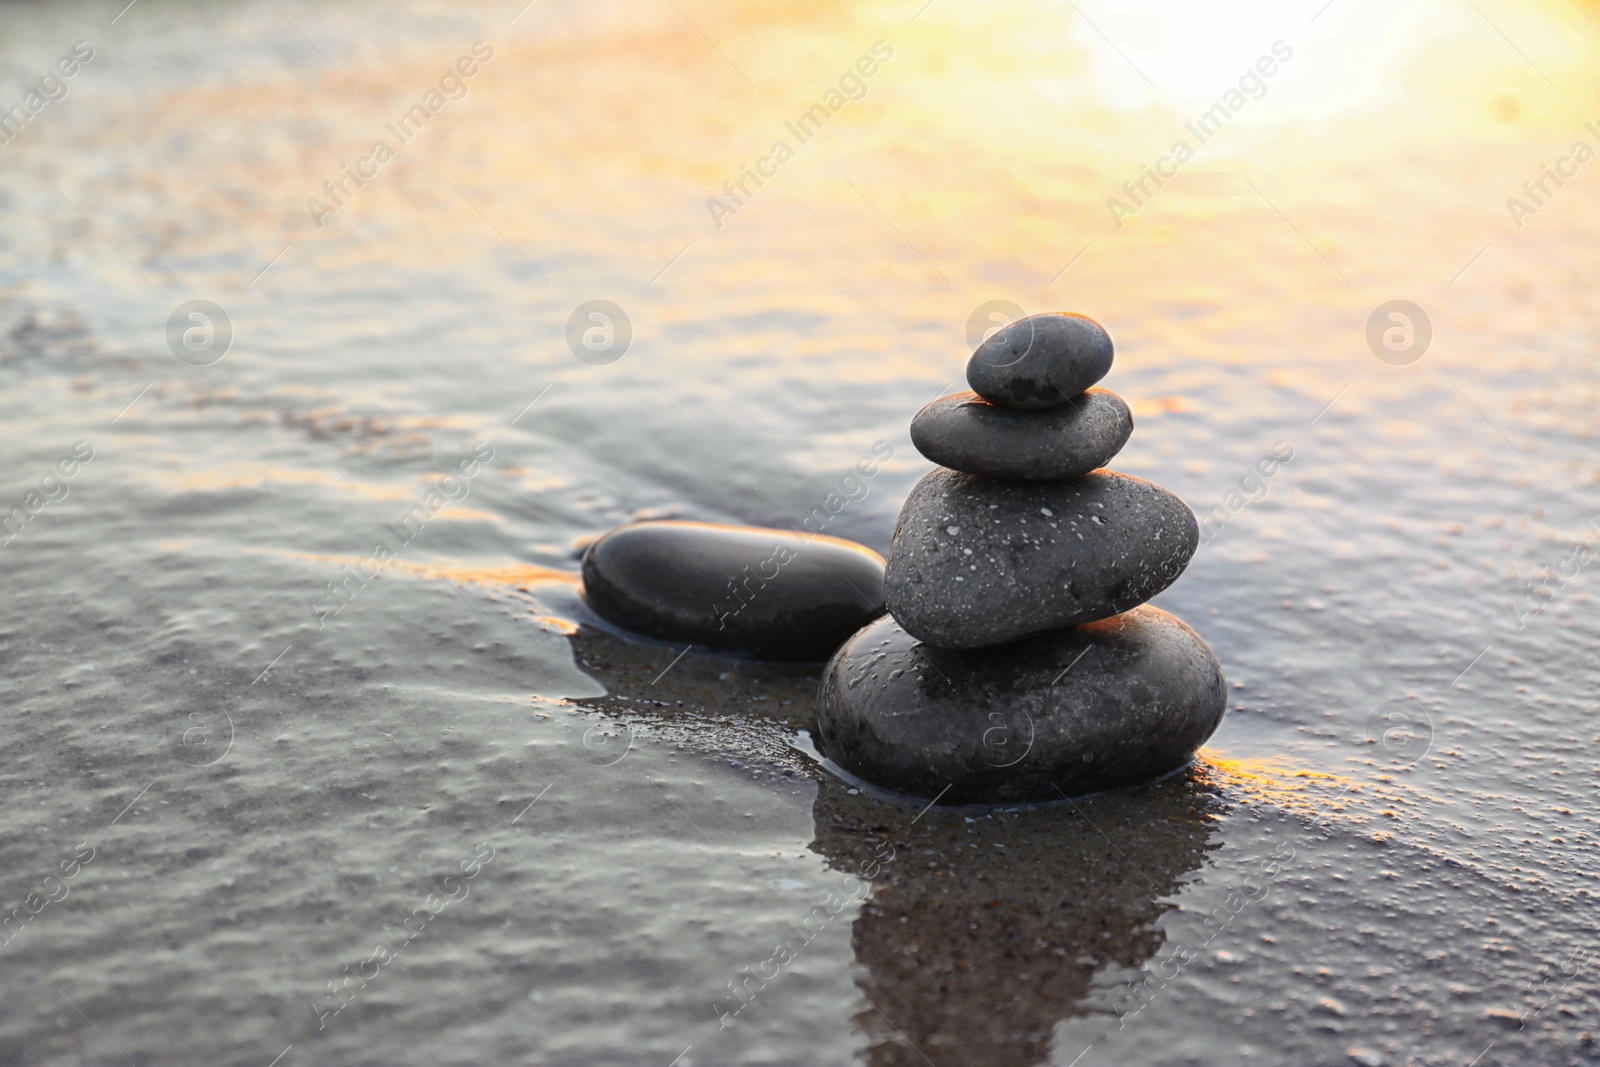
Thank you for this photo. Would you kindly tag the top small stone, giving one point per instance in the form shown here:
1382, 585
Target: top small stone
1041, 361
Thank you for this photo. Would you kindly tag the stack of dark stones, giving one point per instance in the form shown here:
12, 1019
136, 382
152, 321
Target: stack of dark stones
1019, 661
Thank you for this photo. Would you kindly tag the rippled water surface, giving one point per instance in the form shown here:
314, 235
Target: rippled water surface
445, 817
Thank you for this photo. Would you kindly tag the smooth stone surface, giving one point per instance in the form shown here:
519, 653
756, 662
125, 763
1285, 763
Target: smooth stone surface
1108, 704
773, 594
1041, 361
967, 433
979, 561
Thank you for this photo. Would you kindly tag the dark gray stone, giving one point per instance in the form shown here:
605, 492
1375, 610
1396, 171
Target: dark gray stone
979, 561
967, 433
772, 594
1074, 711
1041, 361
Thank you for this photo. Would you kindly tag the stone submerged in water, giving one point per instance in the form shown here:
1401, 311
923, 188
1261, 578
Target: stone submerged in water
1041, 361
1074, 711
967, 433
979, 561
772, 594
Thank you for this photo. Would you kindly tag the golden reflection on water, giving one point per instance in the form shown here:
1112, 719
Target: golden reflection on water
1368, 802
1277, 780
995, 134
511, 576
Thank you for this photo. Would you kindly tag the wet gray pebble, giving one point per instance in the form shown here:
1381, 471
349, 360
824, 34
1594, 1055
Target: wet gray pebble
967, 433
773, 594
979, 561
1041, 361
1072, 711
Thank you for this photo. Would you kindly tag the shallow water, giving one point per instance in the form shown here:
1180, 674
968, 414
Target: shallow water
1389, 845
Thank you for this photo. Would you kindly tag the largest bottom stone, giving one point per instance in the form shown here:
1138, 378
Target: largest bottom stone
1110, 703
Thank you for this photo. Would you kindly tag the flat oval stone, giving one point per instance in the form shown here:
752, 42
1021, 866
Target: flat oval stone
772, 594
1074, 711
980, 561
967, 433
1041, 361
